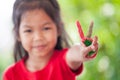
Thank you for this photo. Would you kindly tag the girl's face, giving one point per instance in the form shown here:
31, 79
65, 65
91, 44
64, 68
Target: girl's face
38, 33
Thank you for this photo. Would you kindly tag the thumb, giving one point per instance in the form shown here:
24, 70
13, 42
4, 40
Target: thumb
88, 49
88, 53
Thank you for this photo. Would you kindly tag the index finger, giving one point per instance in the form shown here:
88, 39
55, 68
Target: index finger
81, 34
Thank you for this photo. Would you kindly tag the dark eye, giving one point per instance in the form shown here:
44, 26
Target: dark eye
28, 31
46, 28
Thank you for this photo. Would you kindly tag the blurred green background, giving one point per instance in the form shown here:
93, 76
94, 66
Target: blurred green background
106, 15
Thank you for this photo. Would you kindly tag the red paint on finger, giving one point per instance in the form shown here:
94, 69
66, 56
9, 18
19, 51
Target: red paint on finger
80, 31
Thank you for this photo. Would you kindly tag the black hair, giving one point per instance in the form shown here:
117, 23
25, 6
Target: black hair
51, 7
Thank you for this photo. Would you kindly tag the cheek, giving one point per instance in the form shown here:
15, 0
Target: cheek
26, 41
53, 39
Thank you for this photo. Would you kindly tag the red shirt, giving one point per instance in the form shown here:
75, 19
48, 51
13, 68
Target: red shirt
56, 69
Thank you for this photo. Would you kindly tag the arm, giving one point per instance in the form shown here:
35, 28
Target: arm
77, 54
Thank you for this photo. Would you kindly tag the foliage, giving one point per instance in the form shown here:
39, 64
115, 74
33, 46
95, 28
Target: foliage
105, 14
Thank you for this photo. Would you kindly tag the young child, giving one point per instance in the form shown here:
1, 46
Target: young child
41, 48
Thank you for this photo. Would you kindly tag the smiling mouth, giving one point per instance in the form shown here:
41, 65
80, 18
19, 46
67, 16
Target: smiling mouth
39, 47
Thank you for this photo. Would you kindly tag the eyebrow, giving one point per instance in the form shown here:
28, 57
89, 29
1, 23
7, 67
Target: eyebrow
26, 26
47, 23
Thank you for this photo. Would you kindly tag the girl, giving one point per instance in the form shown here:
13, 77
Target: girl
41, 44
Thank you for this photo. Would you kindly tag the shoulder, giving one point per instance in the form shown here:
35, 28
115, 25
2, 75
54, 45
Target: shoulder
10, 70
8, 73
59, 55
61, 52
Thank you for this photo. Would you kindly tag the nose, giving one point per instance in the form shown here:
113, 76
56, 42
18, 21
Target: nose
38, 36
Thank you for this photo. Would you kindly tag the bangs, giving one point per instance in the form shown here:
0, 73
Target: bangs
30, 5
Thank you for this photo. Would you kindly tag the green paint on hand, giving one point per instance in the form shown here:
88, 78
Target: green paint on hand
88, 43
